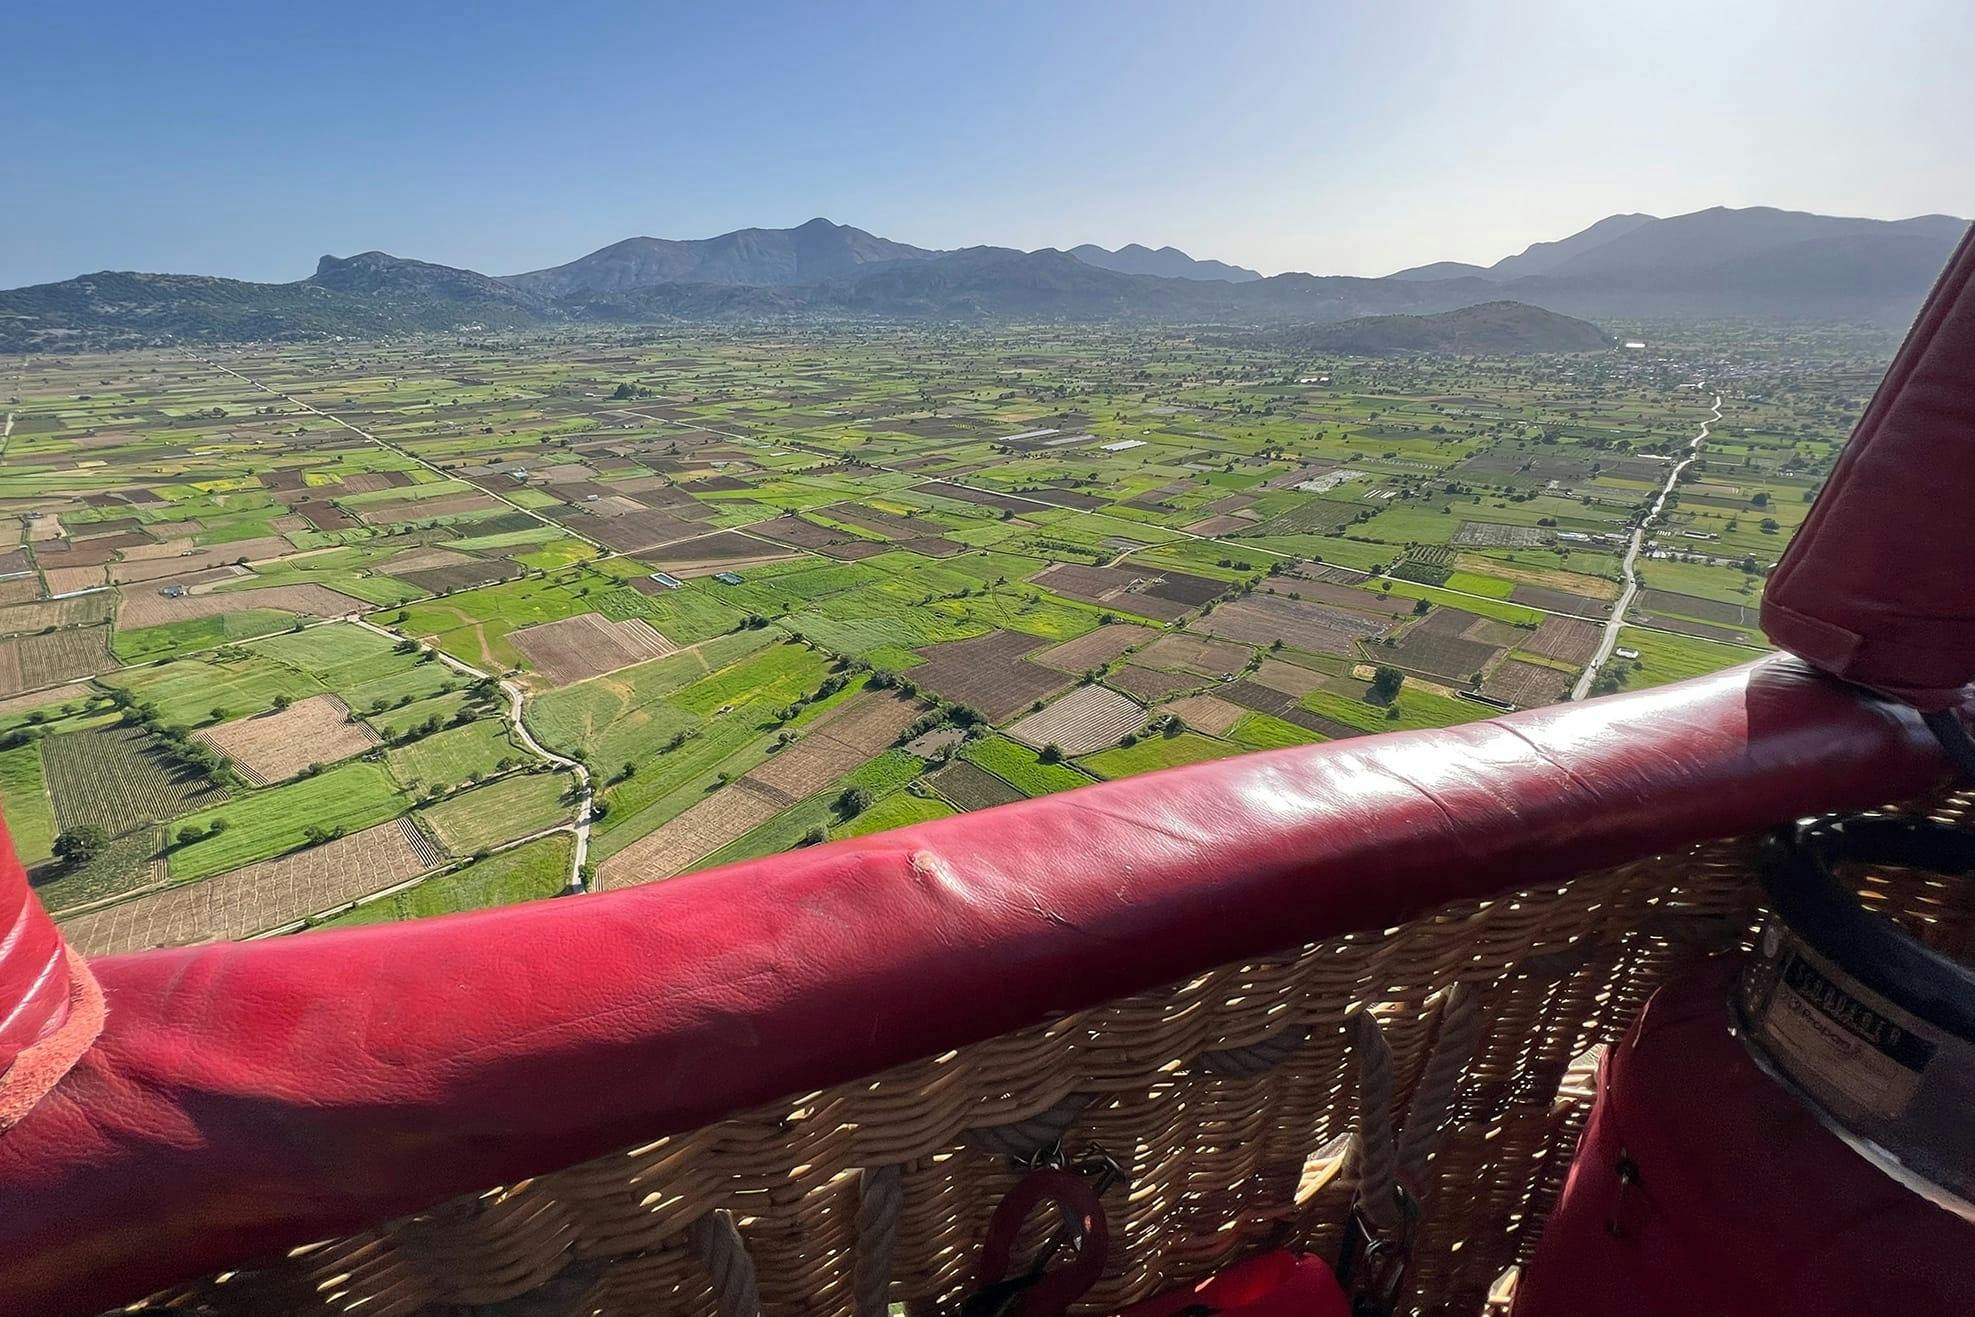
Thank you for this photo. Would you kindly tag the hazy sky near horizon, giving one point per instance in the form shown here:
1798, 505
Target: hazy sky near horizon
247, 140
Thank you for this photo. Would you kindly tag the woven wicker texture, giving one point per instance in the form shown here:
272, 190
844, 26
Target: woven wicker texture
1230, 1100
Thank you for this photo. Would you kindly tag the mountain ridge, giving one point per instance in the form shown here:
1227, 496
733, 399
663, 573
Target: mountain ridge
1165, 263
1756, 262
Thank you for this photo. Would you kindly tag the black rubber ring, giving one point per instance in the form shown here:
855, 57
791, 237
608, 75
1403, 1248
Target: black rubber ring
1807, 896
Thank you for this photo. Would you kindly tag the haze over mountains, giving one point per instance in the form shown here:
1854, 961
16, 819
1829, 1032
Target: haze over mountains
1757, 263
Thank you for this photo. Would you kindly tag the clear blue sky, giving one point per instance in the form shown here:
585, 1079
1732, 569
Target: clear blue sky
1340, 138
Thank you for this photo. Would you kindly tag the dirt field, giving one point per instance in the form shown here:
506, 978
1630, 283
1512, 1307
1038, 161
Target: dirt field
968, 787
1446, 647
151, 569
27, 662
1205, 713
837, 742
1565, 639
1152, 683
68, 580
1308, 625
260, 896
459, 576
1287, 678
424, 509
635, 530
143, 606
588, 646
821, 539
1560, 601
1128, 589
1212, 658
77, 610
273, 747
171, 548
1526, 685
1088, 719
989, 673
1095, 649
719, 551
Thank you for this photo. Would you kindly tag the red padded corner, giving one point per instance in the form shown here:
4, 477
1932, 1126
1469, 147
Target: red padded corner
34, 978
1876, 586
250, 1097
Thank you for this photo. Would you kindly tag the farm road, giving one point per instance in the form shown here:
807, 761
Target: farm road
1630, 567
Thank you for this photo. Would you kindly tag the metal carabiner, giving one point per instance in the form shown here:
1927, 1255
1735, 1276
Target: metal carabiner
1371, 1266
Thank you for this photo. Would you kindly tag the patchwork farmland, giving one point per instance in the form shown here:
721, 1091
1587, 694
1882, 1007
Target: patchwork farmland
514, 635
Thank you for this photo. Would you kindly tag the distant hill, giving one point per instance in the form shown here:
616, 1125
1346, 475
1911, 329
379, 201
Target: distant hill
1491, 329
807, 254
1166, 263
362, 296
1440, 270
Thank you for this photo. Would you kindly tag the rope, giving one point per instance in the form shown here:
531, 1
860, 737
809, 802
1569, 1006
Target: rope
1433, 1099
1024, 1139
717, 1243
881, 1197
1256, 1058
1385, 1163
1378, 1154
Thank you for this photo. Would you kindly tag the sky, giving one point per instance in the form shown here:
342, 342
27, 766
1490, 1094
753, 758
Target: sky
1338, 138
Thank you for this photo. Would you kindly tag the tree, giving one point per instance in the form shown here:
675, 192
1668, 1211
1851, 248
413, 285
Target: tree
1386, 682
1050, 754
282, 701
190, 833
853, 801
80, 844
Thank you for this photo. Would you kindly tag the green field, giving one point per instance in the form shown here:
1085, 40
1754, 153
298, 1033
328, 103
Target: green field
24, 798
448, 759
1022, 769
485, 816
275, 820
1156, 752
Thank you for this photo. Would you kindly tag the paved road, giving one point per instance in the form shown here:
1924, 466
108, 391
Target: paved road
515, 695
1629, 569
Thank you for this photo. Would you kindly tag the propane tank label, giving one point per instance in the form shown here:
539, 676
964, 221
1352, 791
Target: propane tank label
1833, 1033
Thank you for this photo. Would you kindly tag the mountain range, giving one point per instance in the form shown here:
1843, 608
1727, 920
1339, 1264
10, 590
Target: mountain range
1755, 263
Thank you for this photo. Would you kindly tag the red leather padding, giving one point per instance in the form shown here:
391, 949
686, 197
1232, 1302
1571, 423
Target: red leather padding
1876, 587
1742, 1206
245, 1098
34, 977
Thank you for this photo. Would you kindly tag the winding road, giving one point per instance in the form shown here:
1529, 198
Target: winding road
581, 824
1630, 568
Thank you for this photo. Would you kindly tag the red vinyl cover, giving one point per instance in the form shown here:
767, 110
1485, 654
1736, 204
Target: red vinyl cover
1742, 1205
1876, 586
34, 980
249, 1097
